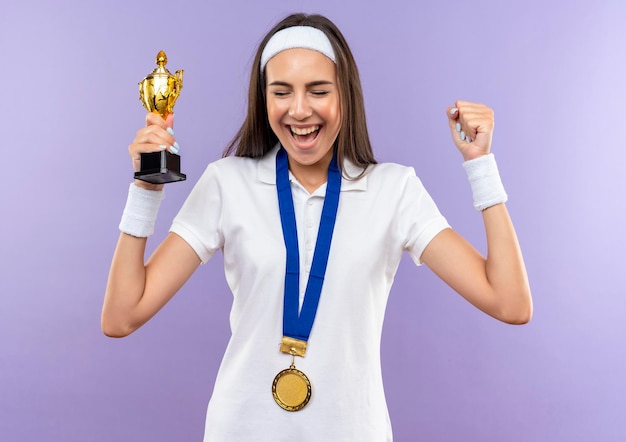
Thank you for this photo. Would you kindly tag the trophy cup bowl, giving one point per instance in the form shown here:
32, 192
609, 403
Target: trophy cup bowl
158, 92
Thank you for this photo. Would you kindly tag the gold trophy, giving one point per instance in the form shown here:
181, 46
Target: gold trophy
158, 93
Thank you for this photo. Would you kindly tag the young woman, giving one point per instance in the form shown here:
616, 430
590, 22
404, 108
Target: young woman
312, 231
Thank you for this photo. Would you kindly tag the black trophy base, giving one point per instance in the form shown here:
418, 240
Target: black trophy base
160, 168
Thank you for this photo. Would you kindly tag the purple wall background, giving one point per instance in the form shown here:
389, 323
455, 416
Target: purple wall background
554, 73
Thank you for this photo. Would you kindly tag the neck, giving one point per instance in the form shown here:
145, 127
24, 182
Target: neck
311, 180
311, 176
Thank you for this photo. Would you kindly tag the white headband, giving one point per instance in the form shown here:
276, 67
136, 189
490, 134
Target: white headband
306, 37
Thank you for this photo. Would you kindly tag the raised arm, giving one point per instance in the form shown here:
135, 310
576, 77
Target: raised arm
136, 291
497, 284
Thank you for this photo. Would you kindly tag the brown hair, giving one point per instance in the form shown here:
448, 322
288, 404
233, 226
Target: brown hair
255, 137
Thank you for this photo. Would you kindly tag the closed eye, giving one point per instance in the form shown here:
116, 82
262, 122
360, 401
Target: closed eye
280, 93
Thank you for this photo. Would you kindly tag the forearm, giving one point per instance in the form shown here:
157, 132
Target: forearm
504, 267
127, 277
125, 286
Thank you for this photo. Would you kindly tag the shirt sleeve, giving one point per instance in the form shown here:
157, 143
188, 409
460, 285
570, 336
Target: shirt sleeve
199, 221
418, 218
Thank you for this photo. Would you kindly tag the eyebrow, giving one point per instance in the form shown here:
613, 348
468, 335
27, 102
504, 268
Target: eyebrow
310, 84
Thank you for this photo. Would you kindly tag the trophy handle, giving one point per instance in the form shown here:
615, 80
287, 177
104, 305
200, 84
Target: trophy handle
141, 93
179, 81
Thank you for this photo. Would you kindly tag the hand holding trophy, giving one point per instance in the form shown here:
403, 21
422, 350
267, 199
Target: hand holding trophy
158, 92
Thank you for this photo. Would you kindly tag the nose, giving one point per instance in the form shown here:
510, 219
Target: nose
300, 108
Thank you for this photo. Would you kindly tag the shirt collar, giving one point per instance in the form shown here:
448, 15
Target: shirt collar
266, 172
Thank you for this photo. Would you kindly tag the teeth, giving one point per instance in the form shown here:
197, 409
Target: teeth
304, 131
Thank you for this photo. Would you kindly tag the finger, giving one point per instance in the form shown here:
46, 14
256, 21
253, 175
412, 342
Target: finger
158, 131
152, 118
175, 148
135, 149
475, 123
170, 121
474, 117
452, 112
154, 135
453, 119
460, 132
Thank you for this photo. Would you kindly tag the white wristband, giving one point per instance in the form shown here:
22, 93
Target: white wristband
487, 188
140, 212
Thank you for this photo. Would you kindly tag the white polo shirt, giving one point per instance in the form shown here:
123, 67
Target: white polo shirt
234, 207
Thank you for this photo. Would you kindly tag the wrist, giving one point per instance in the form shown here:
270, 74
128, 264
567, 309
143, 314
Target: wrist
470, 156
140, 212
484, 177
148, 186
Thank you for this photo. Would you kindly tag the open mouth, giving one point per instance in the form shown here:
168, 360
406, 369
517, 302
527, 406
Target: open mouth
305, 134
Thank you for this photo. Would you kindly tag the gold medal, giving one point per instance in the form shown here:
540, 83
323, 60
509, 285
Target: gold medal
291, 387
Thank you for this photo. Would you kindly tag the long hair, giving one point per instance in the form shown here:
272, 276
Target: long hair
255, 137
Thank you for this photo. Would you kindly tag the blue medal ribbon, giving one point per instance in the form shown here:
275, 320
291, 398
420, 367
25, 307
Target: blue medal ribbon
298, 326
